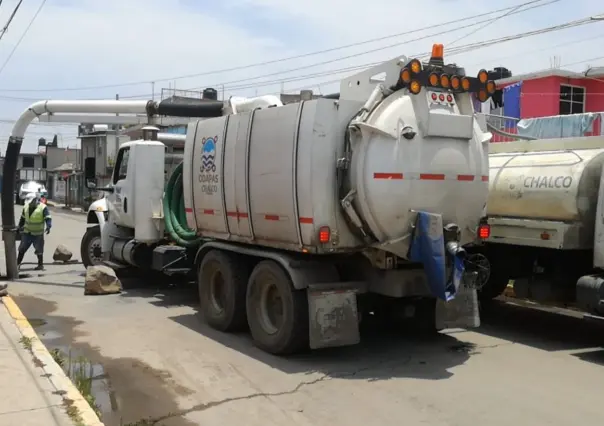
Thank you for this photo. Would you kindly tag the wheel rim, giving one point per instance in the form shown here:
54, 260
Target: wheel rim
479, 263
95, 253
271, 306
217, 291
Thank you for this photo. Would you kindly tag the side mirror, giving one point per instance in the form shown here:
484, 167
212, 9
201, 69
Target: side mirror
91, 183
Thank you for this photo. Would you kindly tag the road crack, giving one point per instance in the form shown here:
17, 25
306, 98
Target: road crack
208, 405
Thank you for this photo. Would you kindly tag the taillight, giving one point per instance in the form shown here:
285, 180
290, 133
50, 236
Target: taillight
324, 234
484, 231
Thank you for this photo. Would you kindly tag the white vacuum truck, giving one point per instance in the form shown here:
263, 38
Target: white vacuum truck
296, 220
546, 217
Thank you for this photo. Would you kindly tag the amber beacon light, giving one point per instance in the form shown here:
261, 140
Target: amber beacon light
441, 77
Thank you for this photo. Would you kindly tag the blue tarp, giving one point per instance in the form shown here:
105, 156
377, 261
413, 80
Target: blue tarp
428, 248
559, 126
511, 100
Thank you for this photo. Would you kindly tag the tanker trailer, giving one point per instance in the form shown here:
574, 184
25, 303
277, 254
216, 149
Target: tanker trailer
298, 220
546, 223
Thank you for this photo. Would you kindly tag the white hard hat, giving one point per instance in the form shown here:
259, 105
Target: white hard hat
30, 196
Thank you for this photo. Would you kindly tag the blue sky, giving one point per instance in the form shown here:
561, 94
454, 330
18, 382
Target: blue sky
81, 43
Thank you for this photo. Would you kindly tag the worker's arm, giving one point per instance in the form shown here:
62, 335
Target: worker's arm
22, 219
47, 219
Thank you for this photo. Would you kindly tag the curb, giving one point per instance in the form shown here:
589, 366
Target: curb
55, 373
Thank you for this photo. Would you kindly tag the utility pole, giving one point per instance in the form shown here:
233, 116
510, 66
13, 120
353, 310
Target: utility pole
117, 126
152, 90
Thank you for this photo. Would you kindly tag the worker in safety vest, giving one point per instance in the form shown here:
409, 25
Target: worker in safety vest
35, 220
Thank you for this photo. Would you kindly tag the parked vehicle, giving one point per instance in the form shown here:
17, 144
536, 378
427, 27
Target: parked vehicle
297, 220
29, 187
546, 217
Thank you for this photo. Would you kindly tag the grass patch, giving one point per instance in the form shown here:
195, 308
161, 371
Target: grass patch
80, 371
27, 343
74, 413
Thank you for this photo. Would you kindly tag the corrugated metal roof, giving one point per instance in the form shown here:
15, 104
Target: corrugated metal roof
554, 72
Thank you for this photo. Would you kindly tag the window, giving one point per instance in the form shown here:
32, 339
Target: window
572, 99
44, 162
121, 165
28, 162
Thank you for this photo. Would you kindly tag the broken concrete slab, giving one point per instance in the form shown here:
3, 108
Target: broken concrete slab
101, 279
62, 254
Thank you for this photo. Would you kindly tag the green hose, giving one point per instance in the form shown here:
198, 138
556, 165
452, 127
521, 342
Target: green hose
174, 212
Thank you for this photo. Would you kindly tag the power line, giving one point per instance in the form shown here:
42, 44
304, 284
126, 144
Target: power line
486, 24
449, 52
363, 53
457, 50
323, 83
305, 55
10, 19
12, 52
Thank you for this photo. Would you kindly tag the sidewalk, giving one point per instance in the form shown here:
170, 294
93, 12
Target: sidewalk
56, 205
34, 389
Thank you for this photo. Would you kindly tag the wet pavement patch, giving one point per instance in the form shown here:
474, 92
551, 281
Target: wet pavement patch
125, 391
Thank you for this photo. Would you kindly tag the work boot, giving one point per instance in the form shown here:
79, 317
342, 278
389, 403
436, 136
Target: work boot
40, 266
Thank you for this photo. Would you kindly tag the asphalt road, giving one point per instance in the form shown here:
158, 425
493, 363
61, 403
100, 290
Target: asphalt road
156, 359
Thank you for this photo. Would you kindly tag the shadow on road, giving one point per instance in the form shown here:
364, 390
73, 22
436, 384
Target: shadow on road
547, 331
383, 354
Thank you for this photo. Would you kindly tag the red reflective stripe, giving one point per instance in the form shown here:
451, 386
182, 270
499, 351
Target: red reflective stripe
485, 178
271, 217
188, 210
388, 176
208, 211
239, 215
431, 176
465, 177
308, 220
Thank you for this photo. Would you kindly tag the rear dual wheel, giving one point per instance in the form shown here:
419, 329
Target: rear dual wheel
222, 282
276, 314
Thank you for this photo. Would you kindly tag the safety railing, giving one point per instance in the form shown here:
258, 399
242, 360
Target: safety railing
505, 129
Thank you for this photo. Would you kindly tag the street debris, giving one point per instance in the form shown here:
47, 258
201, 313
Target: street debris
62, 254
101, 279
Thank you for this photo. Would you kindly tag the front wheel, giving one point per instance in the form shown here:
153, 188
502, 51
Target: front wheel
90, 248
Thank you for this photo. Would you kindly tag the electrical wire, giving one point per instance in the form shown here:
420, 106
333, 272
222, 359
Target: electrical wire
492, 21
324, 83
10, 19
232, 84
305, 55
366, 52
12, 52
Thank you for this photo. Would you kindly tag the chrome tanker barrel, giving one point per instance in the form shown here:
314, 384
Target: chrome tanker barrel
553, 182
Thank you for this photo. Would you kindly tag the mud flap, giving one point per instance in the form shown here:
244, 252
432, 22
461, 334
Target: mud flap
333, 316
454, 289
461, 312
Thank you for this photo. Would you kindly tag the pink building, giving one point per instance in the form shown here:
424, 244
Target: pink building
555, 94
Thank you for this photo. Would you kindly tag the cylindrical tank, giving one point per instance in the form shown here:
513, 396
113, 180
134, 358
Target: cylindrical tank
269, 176
557, 185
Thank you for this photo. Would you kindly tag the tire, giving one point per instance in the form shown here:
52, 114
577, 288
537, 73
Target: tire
279, 336
221, 281
91, 238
